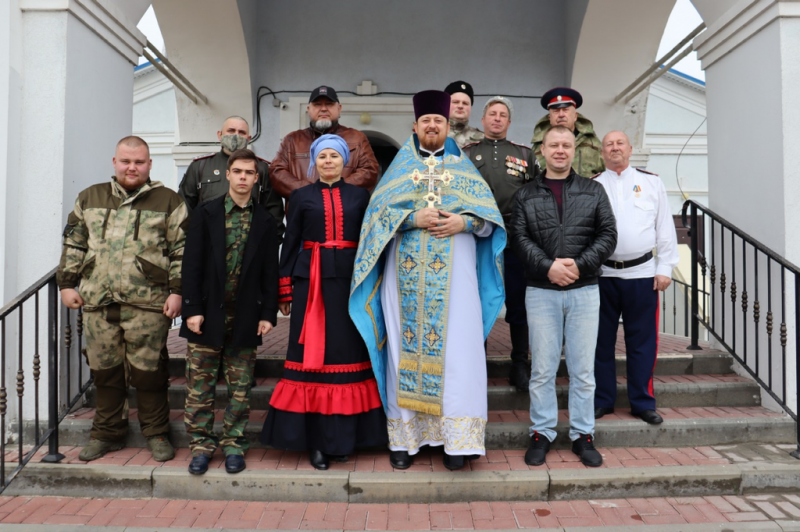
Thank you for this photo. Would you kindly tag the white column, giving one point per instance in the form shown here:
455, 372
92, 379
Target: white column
65, 100
749, 54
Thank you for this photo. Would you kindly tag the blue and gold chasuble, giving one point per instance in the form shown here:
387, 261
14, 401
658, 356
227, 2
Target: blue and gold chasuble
423, 272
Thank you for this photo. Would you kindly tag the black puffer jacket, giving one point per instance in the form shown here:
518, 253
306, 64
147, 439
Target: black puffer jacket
588, 234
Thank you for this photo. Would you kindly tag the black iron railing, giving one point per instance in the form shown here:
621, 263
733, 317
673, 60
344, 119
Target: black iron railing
738, 267
27, 323
675, 312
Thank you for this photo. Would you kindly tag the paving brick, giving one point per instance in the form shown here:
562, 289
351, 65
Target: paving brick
746, 516
770, 509
663, 520
721, 504
495, 524
580, 521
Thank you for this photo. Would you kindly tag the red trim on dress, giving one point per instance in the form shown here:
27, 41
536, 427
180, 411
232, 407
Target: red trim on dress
326, 202
307, 397
335, 368
285, 289
338, 221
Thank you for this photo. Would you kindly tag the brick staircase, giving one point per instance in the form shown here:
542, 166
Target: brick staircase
717, 440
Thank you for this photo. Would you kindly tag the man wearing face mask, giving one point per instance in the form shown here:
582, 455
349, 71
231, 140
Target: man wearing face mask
204, 180
290, 165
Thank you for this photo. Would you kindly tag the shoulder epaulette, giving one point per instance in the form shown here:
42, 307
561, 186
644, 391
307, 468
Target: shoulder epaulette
646, 172
206, 156
595, 176
520, 145
471, 144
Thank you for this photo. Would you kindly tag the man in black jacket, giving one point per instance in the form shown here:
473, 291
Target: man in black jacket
563, 230
230, 291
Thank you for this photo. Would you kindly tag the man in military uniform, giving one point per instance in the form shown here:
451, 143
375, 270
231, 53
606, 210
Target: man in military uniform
121, 262
290, 167
562, 104
204, 179
506, 167
230, 290
461, 100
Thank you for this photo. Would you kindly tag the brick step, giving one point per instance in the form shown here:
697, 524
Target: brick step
508, 429
671, 391
367, 477
764, 512
694, 363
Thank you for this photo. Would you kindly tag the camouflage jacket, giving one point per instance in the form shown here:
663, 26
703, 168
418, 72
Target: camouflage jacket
124, 248
588, 148
463, 133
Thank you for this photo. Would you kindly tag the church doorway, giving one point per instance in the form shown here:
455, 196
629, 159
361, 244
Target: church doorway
385, 149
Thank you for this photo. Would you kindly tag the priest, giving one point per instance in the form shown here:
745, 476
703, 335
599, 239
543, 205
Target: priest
427, 288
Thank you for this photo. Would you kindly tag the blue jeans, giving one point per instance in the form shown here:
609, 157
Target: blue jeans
555, 317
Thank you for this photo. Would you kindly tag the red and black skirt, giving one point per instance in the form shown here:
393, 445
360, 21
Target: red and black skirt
336, 408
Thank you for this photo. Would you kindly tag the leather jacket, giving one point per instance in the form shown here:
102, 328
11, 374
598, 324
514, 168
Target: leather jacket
290, 166
587, 234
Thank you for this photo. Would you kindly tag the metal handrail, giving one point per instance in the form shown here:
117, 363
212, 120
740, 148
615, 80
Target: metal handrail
750, 341
61, 357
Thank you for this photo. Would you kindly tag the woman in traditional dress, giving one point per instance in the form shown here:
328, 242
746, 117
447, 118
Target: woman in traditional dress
327, 402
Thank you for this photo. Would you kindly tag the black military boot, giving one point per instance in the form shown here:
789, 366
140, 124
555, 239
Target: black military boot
518, 375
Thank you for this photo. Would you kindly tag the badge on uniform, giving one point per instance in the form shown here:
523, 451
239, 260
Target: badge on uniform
216, 172
515, 166
637, 189
478, 157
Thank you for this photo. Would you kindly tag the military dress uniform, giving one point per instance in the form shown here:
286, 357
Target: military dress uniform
507, 166
122, 251
644, 223
463, 133
205, 180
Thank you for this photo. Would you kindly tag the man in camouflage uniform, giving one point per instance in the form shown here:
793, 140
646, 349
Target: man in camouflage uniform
507, 166
204, 179
121, 262
230, 289
461, 100
562, 105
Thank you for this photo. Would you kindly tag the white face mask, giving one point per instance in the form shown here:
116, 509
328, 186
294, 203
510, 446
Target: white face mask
233, 142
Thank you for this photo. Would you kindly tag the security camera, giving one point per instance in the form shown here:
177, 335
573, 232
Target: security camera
284, 106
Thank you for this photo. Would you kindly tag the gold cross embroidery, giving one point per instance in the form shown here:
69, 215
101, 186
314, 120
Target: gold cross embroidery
434, 194
408, 264
409, 335
437, 265
432, 337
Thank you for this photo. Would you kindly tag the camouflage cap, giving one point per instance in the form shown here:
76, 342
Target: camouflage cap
499, 99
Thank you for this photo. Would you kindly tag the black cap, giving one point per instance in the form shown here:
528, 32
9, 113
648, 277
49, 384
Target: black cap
324, 92
461, 86
561, 97
431, 103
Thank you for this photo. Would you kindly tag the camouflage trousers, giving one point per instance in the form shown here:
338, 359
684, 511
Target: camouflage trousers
202, 372
126, 346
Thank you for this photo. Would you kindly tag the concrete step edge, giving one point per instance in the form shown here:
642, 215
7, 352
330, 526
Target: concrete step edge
669, 395
514, 435
408, 487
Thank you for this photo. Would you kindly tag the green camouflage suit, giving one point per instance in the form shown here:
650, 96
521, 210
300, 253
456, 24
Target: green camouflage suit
463, 133
588, 159
122, 251
203, 362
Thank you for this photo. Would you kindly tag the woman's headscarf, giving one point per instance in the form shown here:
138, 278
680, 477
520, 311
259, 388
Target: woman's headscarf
334, 142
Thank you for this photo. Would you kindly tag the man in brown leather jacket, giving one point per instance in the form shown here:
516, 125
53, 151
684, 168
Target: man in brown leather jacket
289, 169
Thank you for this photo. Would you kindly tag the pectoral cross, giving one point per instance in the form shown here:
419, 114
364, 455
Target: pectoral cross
434, 194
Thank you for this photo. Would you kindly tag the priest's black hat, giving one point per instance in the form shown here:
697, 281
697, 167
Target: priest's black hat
461, 86
431, 103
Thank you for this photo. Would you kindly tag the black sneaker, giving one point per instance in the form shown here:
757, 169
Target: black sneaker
537, 450
584, 447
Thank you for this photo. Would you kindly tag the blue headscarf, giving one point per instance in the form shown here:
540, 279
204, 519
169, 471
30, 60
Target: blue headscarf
334, 142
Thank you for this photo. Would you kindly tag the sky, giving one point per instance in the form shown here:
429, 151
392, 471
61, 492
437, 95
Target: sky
682, 21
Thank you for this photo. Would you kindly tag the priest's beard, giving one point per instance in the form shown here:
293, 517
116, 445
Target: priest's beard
323, 125
432, 145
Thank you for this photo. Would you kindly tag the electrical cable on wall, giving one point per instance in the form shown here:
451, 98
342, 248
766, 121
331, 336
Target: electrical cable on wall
678, 160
